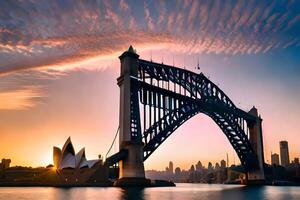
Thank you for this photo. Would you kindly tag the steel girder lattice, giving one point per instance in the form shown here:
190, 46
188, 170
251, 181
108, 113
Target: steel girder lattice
169, 96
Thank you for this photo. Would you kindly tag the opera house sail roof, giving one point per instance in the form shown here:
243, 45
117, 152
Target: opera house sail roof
67, 159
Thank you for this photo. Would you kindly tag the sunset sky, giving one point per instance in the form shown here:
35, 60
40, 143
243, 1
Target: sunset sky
59, 64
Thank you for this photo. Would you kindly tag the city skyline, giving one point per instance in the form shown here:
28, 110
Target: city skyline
275, 159
55, 85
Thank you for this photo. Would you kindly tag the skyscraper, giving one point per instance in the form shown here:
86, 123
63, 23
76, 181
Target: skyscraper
177, 171
171, 167
223, 164
199, 166
217, 166
284, 153
275, 159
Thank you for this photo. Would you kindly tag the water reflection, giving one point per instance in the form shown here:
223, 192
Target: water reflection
244, 193
132, 194
181, 192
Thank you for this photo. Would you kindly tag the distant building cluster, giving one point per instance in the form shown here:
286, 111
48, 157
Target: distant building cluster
284, 156
5, 164
281, 169
71, 168
196, 174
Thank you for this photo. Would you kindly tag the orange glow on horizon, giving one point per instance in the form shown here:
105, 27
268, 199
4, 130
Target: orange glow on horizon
19, 99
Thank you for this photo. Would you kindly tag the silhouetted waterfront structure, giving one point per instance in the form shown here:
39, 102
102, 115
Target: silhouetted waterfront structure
233, 174
199, 166
171, 167
284, 153
5, 163
196, 174
223, 164
275, 159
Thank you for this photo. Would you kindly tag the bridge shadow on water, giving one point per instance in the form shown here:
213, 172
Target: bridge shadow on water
133, 193
208, 192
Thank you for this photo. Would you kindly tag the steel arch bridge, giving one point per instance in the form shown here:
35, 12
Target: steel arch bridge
156, 99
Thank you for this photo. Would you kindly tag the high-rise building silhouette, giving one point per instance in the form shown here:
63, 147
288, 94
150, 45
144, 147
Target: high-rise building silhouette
177, 171
217, 166
223, 164
284, 153
275, 159
171, 167
227, 160
199, 166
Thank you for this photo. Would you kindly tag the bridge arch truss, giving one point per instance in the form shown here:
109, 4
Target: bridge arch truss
169, 96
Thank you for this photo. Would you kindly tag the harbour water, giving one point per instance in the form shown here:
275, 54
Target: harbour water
180, 192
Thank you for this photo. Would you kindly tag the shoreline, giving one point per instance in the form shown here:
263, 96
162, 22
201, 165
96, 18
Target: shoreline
110, 184
154, 183
58, 185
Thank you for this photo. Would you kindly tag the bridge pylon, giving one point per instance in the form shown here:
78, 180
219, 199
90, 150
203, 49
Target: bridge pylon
132, 170
256, 176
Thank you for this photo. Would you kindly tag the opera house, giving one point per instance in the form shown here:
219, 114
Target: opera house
74, 168
68, 170
67, 159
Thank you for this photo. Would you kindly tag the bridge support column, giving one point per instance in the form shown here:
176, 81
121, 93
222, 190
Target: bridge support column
133, 165
132, 172
257, 176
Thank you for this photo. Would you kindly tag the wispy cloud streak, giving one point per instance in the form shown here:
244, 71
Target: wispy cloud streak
42, 33
19, 99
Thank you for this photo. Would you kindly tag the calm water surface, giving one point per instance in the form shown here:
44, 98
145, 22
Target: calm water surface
181, 192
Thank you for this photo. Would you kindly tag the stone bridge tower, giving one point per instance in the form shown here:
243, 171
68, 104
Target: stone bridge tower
256, 140
132, 167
